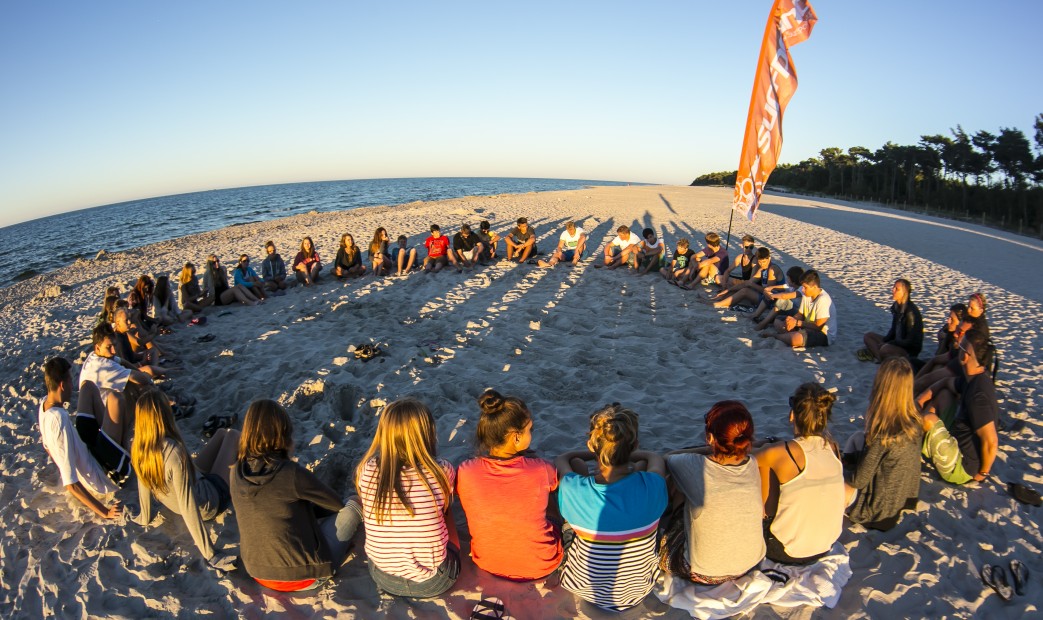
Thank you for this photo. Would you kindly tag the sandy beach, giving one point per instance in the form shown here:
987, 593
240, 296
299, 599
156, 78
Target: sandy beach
566, 341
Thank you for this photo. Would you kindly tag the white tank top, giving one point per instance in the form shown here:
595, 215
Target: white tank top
811, 506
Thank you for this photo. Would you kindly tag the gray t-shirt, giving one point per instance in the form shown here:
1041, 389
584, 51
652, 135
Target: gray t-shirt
724, 513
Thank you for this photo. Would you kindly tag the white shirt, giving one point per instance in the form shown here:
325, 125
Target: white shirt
632, 240
571, 242
75, 462
818, 308
104, 372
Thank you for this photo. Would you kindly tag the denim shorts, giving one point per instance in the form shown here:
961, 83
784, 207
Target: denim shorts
443, 579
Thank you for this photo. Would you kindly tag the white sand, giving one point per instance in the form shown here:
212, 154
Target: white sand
566, 341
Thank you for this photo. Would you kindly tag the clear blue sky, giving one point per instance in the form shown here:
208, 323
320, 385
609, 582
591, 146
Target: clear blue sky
110, 101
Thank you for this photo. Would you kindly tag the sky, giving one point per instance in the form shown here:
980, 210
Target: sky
103, 102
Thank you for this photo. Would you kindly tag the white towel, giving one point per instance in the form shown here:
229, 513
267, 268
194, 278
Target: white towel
818, 585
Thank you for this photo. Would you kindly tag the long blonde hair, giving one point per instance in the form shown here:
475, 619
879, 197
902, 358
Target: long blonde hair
892, 416
405, 438
153, 425
188, 272
613, 434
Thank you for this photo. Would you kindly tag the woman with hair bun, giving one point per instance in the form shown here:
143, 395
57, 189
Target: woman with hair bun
506, 489
611, 562
802, 483
717, 537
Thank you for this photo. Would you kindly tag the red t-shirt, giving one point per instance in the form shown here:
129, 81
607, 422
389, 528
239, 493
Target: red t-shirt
437, 247
506, 505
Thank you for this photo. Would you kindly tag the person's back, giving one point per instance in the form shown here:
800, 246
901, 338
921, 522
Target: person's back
811, 505
886, 477
506, 505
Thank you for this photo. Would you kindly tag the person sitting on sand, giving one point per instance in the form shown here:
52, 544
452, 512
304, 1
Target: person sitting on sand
710, 261
905, 338
404, 255
815, 324
612, 562
273, 271
438, 254
802, 483
164, 310
946, 365
780, 298
307, 264
947, 332
129, 350
651, 254
197, 490
886, 477
521, 241
140, 299
108, 310
104, 371
466, 247
623, 249
407, 491
976, 310
244, 275
489, 239
348, 263
506, 468
959, 416
379, 258
744, 262
715, 533
572, 244
81, 474
146, 325
294, 531
215, 285
681, 265
751, 291
190, 295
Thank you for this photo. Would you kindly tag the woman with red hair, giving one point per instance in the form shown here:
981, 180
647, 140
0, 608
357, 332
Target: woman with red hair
717, 537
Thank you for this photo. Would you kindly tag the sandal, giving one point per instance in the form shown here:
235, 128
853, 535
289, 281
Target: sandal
995, 577
206, 338
865, 355
182, 411
1021, 576
217, 422
366, 352
488, 609
1024, 494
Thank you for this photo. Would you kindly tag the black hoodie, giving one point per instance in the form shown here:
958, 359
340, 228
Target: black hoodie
275, 503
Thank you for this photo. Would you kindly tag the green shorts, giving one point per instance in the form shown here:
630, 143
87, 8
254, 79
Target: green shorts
942, 450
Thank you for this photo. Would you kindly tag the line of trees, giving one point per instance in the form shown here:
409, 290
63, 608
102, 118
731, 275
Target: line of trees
994, 178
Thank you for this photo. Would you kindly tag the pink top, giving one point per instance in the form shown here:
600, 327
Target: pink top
411, 547
506, 505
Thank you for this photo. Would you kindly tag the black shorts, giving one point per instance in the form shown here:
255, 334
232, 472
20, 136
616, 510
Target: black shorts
814, 338
442, 260
109, 454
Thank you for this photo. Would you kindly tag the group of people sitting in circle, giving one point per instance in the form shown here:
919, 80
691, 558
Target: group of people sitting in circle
609, 517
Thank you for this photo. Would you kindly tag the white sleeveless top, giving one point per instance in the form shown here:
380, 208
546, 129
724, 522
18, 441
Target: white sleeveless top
811, 506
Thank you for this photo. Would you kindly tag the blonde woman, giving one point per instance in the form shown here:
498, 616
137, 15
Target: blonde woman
614, 513
286, 545
197, 491
411, 540
887, 470
190, 295
378, 252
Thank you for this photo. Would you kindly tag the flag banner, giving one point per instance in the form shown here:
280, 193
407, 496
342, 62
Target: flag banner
790, 23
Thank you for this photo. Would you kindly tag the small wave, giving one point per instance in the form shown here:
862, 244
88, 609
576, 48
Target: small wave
25, 275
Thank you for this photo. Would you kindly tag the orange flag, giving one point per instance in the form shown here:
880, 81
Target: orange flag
790, 23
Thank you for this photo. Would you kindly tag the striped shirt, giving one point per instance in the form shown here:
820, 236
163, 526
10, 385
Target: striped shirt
410, 547
612, 561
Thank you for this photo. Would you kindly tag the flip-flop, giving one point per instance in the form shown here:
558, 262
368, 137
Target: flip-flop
1024, 494
206, 338
864, 355
217, 422
1021, 576
488, 609
995, 577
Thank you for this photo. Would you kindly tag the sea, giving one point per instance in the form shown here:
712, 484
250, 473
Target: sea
39, 246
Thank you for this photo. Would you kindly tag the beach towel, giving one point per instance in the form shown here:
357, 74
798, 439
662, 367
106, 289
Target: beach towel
770, 583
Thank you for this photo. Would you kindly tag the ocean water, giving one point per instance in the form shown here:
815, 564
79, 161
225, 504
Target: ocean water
43, 245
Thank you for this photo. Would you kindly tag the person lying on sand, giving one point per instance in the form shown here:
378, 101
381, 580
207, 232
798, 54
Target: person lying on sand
403, 255
521, 241
682, 264
572, 244
710, 261
467, 247
959, 416
81, 474
273, 271
623, 249
905, 338
815, 324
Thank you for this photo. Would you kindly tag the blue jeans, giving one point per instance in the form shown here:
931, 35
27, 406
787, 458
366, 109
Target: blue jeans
443, 579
